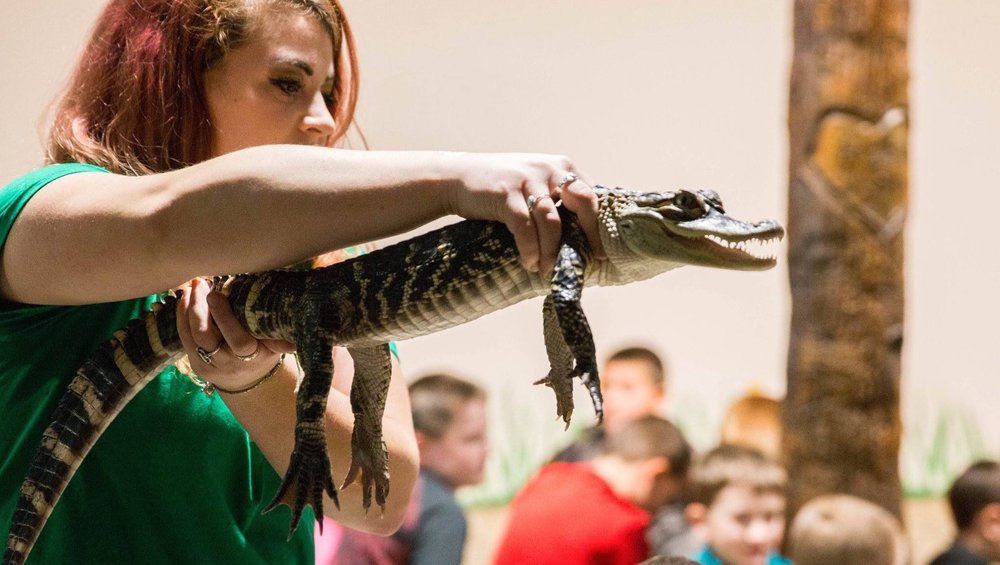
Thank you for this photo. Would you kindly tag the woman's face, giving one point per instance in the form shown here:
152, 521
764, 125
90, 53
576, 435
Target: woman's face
275, 88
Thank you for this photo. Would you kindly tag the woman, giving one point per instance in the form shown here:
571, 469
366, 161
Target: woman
199, 135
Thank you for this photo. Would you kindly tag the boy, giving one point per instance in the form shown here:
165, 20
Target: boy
738, 507
838, 528
634, 384
975, 504
449, 417
597, 512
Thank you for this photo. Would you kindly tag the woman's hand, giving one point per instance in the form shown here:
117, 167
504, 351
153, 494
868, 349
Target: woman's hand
497, 186
205, 320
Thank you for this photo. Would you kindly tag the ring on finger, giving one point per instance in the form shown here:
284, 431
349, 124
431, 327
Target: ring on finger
250, 357
567, 180
533, 201
206, 355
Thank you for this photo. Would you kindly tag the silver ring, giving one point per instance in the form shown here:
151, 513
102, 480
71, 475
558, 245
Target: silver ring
206, 355
251, 357
533, 201
567, 180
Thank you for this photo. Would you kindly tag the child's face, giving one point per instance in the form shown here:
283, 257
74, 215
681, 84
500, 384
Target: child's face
459, 455
629, 392
743, 526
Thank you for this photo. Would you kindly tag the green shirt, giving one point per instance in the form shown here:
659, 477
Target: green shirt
174, 479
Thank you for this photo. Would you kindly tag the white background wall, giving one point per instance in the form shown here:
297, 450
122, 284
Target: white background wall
654, 94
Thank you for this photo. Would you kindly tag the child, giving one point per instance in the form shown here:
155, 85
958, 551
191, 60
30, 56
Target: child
836, 529
975, 504
754, 421
738, 507
449, 416
598, 512
634, 384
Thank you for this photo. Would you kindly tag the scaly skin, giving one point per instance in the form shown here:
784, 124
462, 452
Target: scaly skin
429, 283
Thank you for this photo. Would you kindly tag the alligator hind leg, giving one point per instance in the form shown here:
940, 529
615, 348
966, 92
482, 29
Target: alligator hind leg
567, 288
369, 459
308, 475
560, 377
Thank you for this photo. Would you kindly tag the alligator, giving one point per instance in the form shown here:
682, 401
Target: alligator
435, 281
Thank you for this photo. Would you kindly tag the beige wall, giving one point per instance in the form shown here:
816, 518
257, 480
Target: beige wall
654, 94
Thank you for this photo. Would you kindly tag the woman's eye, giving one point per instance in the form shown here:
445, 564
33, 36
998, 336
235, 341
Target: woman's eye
289, 87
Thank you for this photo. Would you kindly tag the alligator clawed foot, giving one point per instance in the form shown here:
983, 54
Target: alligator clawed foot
308, 476
588, 375
370, 464
562, 385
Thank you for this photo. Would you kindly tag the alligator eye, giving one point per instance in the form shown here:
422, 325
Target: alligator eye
687, 201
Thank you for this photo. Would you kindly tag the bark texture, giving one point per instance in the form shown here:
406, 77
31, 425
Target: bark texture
848, 123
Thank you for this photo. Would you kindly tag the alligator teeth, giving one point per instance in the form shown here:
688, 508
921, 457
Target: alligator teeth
752, 246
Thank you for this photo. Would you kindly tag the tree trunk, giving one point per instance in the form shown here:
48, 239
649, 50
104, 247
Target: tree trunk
847, 204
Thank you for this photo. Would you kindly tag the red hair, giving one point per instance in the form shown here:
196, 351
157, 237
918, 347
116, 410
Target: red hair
135, 104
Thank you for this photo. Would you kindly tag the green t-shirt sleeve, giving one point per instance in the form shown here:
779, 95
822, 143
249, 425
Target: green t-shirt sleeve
16, 195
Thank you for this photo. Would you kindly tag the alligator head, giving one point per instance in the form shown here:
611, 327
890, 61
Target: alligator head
647, 233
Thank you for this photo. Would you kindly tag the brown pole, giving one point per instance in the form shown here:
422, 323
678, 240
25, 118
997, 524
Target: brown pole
848, 123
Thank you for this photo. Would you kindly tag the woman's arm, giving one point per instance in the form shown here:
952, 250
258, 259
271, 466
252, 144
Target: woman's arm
118, 237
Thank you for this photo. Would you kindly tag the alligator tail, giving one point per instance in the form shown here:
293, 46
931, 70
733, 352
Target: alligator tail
101, 388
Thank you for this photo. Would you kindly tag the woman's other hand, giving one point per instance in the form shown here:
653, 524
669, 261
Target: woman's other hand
206, 321
497, 187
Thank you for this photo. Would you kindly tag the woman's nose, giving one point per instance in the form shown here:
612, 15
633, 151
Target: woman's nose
318, 122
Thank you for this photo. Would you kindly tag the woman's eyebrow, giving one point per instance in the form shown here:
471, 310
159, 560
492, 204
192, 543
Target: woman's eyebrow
299, 63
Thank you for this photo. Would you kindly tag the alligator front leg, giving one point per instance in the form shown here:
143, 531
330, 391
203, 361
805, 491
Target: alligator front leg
308, 474
567, 288
560, 377
369, 459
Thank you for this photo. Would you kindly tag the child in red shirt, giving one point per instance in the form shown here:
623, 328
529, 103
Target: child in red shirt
597, 513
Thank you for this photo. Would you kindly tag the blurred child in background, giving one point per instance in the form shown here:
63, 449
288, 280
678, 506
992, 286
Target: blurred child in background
975, 504
738, 507
597, 512
449, 417
841, 529
634, 384
754, 421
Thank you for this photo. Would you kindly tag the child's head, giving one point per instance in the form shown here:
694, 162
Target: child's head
754, 421
646, 462
738, 504
835, 529
449, 416
975, 504
633, 382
